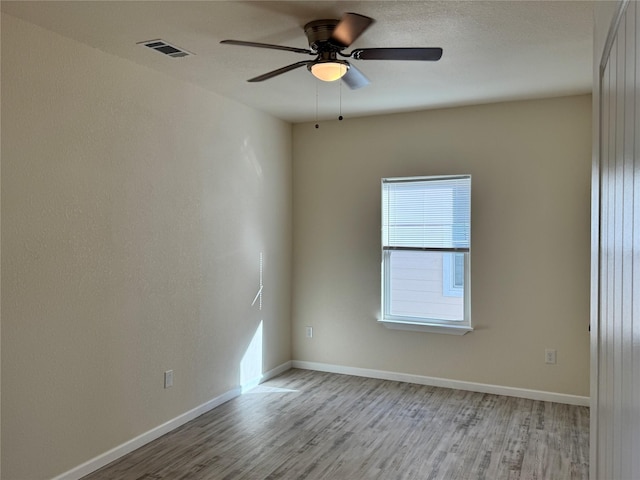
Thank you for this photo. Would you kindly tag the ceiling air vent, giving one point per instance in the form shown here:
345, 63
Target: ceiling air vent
166, 48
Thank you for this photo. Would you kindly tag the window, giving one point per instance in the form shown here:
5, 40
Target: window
426, 248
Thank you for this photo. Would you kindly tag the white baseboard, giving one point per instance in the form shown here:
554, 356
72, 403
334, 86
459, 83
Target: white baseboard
446, 383
254, 382
277, 371
141, 440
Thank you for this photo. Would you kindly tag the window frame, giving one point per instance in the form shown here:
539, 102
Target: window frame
449, 287
425, 324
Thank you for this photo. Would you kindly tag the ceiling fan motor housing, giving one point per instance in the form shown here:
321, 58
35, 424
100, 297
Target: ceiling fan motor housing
319, 32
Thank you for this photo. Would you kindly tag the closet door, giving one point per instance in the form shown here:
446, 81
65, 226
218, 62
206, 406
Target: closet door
615, 412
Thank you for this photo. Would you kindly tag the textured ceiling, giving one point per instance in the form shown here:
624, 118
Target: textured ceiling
493, 50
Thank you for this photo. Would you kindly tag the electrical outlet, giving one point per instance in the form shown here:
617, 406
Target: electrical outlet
168, 379
550, 356
309, 331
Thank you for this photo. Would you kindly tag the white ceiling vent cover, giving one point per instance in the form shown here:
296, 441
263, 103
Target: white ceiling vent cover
166, 48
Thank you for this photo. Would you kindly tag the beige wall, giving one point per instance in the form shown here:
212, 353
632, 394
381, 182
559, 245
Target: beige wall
134, 211
530, 163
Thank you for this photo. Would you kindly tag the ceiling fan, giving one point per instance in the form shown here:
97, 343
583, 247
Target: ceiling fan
327, 40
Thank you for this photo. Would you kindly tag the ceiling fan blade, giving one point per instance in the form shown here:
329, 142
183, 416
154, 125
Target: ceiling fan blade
267, 45
349, 28
355, 79
280, 71
423, 54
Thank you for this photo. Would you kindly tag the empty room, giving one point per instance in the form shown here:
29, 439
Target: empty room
320, 240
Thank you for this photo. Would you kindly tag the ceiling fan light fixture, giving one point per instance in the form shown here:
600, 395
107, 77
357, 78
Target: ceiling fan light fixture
329, 71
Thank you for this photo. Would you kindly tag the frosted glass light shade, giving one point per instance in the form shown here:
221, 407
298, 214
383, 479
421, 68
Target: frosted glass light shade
329, 71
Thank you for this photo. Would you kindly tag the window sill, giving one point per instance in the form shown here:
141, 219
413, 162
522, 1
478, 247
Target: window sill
426, 327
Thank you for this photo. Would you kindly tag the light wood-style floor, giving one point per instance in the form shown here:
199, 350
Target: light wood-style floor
313, 425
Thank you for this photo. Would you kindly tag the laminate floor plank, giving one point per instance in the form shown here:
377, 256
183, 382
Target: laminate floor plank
307, 425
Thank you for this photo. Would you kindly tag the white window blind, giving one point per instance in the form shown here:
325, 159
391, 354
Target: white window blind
428, 214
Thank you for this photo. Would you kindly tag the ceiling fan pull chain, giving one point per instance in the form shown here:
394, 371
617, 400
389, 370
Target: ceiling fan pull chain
340, 109
317, 126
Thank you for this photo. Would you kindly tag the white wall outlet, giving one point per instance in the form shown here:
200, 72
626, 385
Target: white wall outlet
309, 332
168, 379
550, 356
